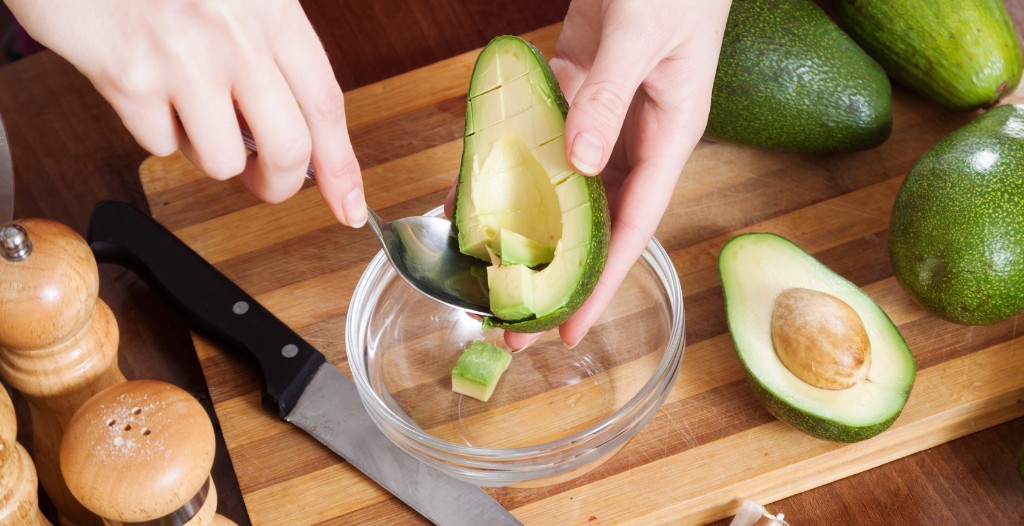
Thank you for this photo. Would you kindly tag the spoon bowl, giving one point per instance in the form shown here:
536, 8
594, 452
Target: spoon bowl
425, 253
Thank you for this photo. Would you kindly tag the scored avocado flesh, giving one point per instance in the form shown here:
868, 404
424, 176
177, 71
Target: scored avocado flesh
517, 249
519, 204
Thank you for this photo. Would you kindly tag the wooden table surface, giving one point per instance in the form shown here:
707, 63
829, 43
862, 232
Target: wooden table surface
70, 151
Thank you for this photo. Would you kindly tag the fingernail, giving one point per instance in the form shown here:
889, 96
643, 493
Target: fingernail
355, 208
572, 345
587, 151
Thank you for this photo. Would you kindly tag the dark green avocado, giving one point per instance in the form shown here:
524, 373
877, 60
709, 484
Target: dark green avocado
962, 54
956, 234
790, 79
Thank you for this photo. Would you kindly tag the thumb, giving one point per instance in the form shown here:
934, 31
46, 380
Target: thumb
599, 107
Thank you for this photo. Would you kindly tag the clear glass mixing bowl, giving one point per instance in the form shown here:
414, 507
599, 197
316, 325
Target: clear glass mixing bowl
556, 412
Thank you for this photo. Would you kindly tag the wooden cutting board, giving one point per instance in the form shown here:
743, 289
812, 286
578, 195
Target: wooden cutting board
711, 444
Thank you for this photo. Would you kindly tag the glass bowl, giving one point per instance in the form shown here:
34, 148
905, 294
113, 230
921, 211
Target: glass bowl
556, 412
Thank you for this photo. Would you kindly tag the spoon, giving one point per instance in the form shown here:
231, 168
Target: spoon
425, 253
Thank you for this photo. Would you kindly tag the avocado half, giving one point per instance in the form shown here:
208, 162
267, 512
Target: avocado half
518, 204
758, 269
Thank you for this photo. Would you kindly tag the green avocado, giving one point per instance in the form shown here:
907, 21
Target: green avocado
819, 352
518, 203
956, 234
963, 54
517, 249
790, 79
478, 369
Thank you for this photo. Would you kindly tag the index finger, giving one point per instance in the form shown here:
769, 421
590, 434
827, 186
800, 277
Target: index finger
305, 66
642, 200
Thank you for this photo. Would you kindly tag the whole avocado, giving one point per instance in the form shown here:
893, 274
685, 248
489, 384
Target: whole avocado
956, 234
962, 54
790, 79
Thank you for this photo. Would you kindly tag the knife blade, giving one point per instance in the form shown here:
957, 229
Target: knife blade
6, 178
299, 384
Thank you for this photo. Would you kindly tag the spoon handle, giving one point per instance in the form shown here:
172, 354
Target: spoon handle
376, 222
456, 265
250, 144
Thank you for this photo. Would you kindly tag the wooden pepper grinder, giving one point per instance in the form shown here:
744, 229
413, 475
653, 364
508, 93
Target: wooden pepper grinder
58, 340
19, 497
141, 452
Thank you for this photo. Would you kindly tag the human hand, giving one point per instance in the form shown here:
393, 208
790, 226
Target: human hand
184, 74
638, 78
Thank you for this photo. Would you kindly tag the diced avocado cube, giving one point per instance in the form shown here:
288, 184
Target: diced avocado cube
478, 370
517, 249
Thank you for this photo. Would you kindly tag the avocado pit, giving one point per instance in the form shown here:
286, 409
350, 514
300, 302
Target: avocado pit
820, 339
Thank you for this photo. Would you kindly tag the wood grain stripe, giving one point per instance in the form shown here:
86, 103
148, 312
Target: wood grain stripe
815, 228
382, 514
305, 500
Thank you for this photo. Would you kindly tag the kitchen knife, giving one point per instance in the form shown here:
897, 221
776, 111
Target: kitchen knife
6, 178
299, 384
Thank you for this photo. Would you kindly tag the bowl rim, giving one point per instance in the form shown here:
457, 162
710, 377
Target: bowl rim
366, 296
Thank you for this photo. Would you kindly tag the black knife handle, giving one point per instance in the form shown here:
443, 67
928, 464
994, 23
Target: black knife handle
214, 305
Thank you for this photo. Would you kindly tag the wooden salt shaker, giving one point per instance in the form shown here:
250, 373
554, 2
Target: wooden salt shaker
58, 340
19, 499
141, 452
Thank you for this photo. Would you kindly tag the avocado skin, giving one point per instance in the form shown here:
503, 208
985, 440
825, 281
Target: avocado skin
962, 54
790, 79
956, 234
594, 264
817, 426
